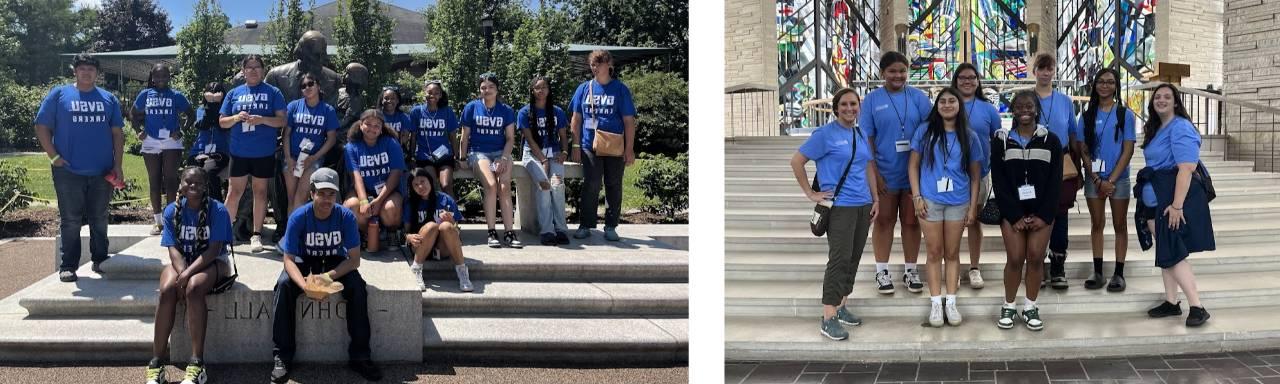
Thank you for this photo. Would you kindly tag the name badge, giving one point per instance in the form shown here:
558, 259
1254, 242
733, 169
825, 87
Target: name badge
164, 133
1099, 166
440, 152
945, 185
246, 128
306, 145
902, 145
1026, 192
589, 123
210, 148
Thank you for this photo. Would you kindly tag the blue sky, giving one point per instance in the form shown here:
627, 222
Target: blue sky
241, 10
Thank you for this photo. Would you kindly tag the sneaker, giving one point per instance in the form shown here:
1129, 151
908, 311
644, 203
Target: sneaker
884, 282
1117, 284
1095, 281
417, 275
562, 238
1197, 317
96, 267
1058, 271
611, 234
975, 278
935, 314
464, 278
1166, 309
831, 329
847, 318
195, 373
156, 229
1007, 317
280, 372
952, 312
512, 240
582, 233
912, 280
255, 243
548, 239
155, 373
67, 276
1031, 317
493, 239
366, 369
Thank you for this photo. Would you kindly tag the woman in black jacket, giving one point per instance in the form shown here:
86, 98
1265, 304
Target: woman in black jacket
1026, 175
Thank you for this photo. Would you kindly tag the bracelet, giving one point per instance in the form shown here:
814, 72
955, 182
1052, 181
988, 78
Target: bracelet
1175, 208
54, 159
577, 146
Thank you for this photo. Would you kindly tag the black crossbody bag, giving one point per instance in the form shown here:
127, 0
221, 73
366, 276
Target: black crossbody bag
822, 211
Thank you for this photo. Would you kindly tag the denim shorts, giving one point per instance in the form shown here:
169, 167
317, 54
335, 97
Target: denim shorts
1124, 190
474, 158
941, 212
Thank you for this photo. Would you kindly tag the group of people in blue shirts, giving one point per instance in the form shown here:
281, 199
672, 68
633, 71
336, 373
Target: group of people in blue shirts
935, 166
80, 127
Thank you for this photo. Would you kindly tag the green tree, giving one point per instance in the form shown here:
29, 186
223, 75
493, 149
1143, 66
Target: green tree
363, 35
454, 33
287, 24
539, 46
125, 25
203, 54
662, 111
661, 23
42, 30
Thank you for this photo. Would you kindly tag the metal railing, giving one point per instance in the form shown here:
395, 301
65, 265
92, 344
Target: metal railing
1243, 130
751, 110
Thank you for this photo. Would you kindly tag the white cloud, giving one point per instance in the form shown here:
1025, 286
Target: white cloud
88, 4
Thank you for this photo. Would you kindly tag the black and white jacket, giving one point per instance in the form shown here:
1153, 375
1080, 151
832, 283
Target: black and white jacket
1038, 164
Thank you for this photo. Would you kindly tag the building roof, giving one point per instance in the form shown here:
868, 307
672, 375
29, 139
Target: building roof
410, 28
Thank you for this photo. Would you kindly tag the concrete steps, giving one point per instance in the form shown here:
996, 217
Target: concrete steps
786, 183
794, 199
626, 341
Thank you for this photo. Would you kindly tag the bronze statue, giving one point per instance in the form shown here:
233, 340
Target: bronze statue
311, 53
350, 99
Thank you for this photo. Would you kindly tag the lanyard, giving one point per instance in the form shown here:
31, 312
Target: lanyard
1099, 130
1048, 116
902, 123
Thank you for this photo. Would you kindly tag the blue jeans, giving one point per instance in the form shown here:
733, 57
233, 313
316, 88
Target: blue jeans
81, 200
550, 202
594, 169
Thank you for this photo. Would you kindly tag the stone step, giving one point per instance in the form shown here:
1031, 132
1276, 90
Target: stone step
1065, 336
788, 240
803, 298
799, 219
810, 266
556, 299
793, 199
783, 184
556, 340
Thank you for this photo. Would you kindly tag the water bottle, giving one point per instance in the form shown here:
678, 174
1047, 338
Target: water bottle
375, 225
297, 168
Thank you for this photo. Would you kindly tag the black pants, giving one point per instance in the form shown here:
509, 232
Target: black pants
282, 321
594, 169
846, 239
276, 200
213, 167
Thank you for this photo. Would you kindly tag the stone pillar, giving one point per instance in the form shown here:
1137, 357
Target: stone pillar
750, 57
1251, 58
1191, 32
1041, 17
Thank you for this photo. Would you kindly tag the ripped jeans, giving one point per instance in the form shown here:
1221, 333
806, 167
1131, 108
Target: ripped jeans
550, 202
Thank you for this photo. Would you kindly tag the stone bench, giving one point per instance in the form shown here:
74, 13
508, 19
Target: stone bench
527, 219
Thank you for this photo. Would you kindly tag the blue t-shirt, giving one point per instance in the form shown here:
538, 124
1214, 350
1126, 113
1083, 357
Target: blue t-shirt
309, 123
82, 123
606, 104
375, 163
890, 117
984, 121
1057, 113
262, 100
187, 235
208, 140
307, 237
830, 147
397, 121
433, 130
1109, 149
424, 214
945, 164
1176, 143
550, 137
161, 108
488, 125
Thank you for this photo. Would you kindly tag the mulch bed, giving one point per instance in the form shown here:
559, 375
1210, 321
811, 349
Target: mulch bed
43, 221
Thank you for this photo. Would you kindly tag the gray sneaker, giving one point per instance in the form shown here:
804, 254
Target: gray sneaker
846, 317
935, 314
582, 233
912, 279
67, 276
831, 329
417, 275
464, 278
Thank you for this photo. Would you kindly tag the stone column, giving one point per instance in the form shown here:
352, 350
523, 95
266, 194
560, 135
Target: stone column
750, 57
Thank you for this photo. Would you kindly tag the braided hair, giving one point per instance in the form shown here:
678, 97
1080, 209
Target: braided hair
202, 218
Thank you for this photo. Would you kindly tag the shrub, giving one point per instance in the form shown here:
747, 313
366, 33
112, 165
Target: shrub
17, 118
662, 111
14, 190
665, 180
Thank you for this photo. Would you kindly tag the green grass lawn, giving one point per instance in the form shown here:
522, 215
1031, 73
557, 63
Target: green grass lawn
40, 180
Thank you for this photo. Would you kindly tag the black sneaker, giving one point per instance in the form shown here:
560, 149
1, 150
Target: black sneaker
280, 372
512, 240
547, 238
1197, 317
884, 282
1095, 281
366, 369
562, 238
493, 239
67, 276
96, 267
1117, 284
1166, 309
1058, 271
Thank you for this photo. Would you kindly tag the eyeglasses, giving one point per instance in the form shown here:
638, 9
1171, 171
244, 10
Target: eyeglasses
967, 78
437, 82
253, 68
1106, 82
308, 84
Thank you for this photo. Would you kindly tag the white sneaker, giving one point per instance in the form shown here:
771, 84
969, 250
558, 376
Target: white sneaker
417, 274
975, 279
953, 313
935, 315
464, 278
255, 243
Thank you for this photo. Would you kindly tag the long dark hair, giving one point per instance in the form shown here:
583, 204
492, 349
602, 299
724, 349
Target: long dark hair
1153, 119
319, 89
1090, 114
202, 219
549, 123
354, 134
414, 200
955, 80
399, 98
444, 96
936, 135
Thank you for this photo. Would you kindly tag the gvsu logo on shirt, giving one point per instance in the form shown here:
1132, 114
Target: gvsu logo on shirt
252, 101
600, 104
432, 127
489, 125
375, 165
324, 244
97, 108
159, 106
308, 124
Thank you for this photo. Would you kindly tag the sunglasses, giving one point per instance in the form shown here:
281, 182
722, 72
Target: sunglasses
308, 84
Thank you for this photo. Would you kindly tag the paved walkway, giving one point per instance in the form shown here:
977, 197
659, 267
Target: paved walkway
1258, 367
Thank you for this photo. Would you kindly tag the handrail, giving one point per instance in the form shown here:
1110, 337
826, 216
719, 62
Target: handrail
1151, 85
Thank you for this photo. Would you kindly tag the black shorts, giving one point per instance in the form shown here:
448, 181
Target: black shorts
258, 167
437, 164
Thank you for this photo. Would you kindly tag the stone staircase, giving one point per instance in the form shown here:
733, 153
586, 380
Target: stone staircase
774, 269
596, 302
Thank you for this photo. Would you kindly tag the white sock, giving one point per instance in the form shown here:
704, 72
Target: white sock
882, 267
416, 265
1009, 305
910, 266
159, 218
951, 299
935, 299
1028, 304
